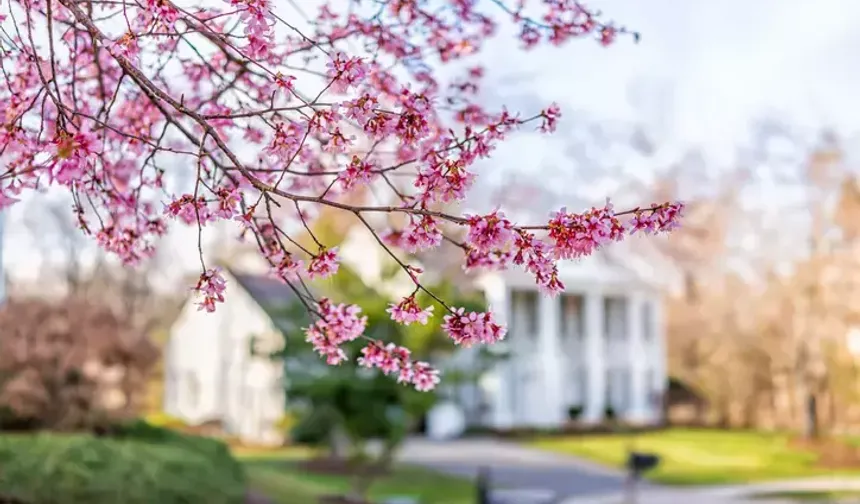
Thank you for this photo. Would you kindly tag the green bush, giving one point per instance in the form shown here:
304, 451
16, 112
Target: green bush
141, 464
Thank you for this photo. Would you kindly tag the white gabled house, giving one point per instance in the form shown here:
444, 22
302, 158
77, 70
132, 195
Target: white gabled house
217, 365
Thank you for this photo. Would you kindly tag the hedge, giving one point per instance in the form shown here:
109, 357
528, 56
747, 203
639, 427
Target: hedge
141, 464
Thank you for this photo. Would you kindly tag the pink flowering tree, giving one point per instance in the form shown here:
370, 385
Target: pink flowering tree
278, 114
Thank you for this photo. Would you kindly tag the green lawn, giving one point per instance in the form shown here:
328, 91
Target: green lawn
275, 474
698, 457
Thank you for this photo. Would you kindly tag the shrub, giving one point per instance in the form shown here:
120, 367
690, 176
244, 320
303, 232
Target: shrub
609, 414
141, 465
574, 412
213, 449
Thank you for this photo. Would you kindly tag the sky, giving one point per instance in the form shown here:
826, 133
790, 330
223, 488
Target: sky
702, 72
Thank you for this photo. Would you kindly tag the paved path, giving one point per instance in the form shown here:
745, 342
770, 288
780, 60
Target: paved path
515, 467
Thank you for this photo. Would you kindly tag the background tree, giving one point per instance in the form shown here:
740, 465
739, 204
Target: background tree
69, 366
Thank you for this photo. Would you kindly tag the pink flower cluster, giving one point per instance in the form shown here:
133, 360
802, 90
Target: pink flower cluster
393, 359
211, 286
337, 324
191, 210
407, 311
467, 329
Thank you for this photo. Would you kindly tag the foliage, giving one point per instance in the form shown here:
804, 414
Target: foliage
574, 412
145, 466
366, 405
63, 364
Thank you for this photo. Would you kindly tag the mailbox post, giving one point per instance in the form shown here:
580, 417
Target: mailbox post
637, 464
483, 486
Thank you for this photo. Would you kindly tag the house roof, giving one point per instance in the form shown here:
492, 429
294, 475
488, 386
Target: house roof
266, 291
275, 298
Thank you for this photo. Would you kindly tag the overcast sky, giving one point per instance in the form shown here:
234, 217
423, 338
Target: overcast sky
701, 73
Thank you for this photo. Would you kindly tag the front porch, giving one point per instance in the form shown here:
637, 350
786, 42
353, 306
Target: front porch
597, 348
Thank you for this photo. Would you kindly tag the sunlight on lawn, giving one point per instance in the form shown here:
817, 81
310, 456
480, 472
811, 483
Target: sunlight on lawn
690, 456
279, 478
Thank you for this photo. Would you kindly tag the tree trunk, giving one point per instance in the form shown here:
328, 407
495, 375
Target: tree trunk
811, 427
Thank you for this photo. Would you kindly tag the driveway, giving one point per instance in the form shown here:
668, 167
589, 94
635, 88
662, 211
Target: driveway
514, 467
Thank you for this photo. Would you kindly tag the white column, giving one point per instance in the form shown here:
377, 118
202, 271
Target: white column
637, 359
498, 298
657, 352
549, 353
595, 357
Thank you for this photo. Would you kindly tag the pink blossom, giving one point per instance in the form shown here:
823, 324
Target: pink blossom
211, 286
489, 232
407, 311
323, 264
470, 328
395, 360
337, 325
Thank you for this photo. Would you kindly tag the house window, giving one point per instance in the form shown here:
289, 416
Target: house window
571, 323
524, 312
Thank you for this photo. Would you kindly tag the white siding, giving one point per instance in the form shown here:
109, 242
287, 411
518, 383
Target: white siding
243, 391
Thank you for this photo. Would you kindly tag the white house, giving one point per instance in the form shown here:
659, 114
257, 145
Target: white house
211, 372
599, 344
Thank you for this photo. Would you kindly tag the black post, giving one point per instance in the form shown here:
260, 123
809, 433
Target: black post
637, 464
482, 485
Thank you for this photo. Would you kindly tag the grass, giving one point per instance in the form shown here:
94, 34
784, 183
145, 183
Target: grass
813, 497
699, 456
275, 474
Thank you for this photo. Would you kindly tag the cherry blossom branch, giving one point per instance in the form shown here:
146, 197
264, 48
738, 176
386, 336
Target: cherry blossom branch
119, 92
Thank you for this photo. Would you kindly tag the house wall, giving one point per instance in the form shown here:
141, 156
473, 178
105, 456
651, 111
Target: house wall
253, 387
191, 367
618, 360
214, 350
